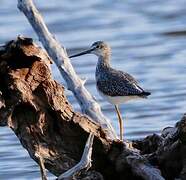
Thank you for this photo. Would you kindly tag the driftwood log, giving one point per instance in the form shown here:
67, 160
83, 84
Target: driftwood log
35, 107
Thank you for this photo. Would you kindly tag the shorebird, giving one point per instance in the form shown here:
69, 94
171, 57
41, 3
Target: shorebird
117, 87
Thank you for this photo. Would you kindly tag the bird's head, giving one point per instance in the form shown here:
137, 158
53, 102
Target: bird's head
99, 48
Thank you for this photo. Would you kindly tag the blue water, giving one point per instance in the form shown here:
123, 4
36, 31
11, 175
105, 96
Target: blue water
148, 40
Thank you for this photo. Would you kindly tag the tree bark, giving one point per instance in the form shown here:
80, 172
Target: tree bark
35, 107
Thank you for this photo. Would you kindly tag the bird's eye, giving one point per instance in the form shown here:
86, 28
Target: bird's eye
99, 46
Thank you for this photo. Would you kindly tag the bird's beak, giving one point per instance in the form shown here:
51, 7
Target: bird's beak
82, 53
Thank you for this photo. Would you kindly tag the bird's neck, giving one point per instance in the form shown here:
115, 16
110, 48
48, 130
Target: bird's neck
103, 65
104, 60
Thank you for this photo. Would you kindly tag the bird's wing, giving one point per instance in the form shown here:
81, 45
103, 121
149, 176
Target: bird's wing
118, 83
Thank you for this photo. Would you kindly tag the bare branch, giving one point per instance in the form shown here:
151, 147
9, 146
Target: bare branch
85, 162
42, 167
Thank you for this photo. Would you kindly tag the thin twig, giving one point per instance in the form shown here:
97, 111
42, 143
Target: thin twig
85, 162
42, 167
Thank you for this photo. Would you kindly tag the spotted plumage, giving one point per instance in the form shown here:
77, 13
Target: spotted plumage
112, 82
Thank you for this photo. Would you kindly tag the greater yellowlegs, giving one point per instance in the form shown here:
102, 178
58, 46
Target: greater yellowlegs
115, 86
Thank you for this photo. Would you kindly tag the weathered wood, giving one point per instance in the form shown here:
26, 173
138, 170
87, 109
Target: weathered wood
58, 53
41, 166
85, 162
38, 111
167, 151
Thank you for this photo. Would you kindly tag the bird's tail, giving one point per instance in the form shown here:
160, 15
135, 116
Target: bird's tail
144, 94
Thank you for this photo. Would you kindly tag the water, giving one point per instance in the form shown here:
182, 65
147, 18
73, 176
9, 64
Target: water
148, 40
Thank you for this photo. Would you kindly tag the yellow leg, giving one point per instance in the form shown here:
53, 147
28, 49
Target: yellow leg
120, 122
